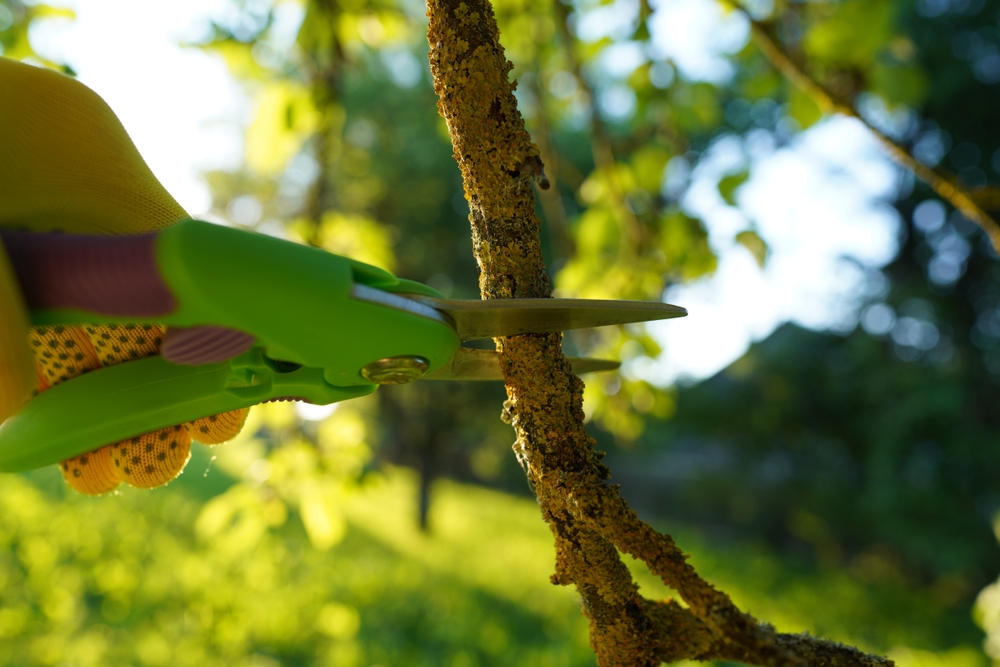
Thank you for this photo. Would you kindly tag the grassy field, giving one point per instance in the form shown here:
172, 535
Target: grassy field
246, 577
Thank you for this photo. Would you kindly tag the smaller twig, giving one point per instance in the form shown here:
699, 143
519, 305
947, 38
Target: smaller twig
943, 183
684, 636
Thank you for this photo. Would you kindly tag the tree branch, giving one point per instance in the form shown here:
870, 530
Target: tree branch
588, 518
943, 183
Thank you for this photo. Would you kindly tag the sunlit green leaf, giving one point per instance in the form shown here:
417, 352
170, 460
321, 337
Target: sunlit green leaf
284, 118
752, 241
729, 183
803, 108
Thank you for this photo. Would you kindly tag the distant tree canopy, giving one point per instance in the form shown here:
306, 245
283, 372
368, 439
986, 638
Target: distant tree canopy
346, 145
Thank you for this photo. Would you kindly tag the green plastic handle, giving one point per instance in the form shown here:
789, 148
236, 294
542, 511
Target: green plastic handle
129, 399
295, 299
313, 338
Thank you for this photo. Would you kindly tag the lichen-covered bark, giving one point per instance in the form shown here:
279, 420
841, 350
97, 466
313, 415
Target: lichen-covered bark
588, 517
545, 403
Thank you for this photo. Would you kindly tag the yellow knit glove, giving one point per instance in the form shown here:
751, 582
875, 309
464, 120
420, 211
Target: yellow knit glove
67, 164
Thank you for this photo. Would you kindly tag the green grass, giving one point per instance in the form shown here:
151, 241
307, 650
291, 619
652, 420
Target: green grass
166, 578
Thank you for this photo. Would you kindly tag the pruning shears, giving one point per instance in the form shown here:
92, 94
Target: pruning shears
307, 324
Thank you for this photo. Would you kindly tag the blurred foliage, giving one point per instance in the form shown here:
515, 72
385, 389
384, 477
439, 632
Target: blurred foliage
16, 17
223, 569
890, 490
840, 483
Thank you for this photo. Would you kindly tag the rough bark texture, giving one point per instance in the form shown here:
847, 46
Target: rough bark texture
589, 519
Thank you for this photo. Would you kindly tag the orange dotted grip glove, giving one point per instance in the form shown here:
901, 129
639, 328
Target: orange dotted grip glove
67, 164
146, 461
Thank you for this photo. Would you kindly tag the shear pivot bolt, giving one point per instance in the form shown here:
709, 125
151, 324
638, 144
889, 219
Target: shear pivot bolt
396, 370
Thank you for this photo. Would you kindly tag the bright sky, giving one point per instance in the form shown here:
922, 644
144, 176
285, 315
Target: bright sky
176, 103
819, 201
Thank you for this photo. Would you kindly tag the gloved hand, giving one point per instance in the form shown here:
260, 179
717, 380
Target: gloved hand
67, 164
146, 461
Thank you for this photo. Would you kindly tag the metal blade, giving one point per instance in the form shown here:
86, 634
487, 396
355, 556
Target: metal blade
493, 318
472, 364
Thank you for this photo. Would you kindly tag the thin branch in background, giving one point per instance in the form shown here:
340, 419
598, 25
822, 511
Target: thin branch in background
552, 203
572, 176
604, 155
324, 71
944, 184
316, 197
